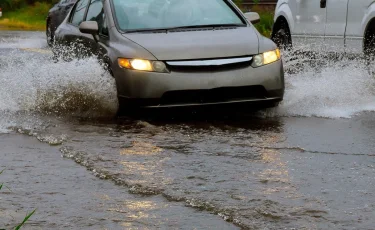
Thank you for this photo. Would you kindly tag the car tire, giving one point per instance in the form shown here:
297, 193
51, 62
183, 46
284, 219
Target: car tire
281, 35
50, 35
123, 103
122, 107
369, 45
272, 104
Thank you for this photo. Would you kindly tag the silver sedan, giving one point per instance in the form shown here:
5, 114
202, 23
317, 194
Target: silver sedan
171, 53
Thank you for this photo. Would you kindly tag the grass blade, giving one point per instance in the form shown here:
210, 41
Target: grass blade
24, 221
1, 185
10, 190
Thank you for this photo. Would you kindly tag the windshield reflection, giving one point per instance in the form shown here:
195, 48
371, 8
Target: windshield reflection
158, 14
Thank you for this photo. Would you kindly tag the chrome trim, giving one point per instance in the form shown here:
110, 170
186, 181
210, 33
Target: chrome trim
211, 62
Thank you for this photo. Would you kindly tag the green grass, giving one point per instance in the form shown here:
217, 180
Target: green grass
26, 18
24, 220
1, 185
266, 17
265, 25
28, 216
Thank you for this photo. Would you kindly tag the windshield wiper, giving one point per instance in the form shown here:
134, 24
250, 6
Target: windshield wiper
145, 30
207, 26
184, 27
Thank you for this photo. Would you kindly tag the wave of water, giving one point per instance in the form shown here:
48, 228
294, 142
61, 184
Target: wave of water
31, 81
34, 82
14, 39
328, 86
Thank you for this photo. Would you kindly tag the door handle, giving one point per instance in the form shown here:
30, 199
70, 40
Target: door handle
323, 3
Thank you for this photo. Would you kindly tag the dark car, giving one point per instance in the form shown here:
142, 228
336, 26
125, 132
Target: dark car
56, 16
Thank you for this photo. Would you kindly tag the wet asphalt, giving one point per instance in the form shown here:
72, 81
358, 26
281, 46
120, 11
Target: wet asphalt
241, 170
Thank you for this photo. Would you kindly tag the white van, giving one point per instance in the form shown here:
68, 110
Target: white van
340, 24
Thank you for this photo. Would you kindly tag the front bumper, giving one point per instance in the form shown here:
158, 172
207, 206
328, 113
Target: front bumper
150, 89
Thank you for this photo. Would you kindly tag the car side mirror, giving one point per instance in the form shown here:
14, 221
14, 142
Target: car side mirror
252, 17
90, 27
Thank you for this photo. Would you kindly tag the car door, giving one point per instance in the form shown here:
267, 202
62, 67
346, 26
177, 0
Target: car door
335, 23
103, 43
95, 12
357, 11
309, 20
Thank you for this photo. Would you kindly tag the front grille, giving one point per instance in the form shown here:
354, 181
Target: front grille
213, 68
213, 95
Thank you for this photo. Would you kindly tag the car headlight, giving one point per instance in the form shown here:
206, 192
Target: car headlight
266, 58
143, 65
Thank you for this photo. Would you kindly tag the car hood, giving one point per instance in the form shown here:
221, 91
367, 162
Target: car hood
203, 44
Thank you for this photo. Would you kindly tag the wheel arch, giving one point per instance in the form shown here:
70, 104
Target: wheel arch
369, 30
281, 23
283, 12
368, 22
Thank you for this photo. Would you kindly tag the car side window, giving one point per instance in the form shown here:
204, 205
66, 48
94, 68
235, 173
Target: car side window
79, 12
104, 27
96, 13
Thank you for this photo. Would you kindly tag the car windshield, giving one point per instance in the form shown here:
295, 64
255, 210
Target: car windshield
164, 14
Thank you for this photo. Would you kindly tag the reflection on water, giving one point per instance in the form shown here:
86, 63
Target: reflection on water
141, 148
237, 165
217, 167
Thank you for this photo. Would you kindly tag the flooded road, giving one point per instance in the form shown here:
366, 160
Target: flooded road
310, 164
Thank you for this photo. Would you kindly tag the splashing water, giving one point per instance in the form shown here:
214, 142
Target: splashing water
21, 40
31, 81
325, 86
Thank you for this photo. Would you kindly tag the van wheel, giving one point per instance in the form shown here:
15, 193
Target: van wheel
281, 35
369, 45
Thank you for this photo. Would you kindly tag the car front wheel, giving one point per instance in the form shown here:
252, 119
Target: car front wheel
50, 34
